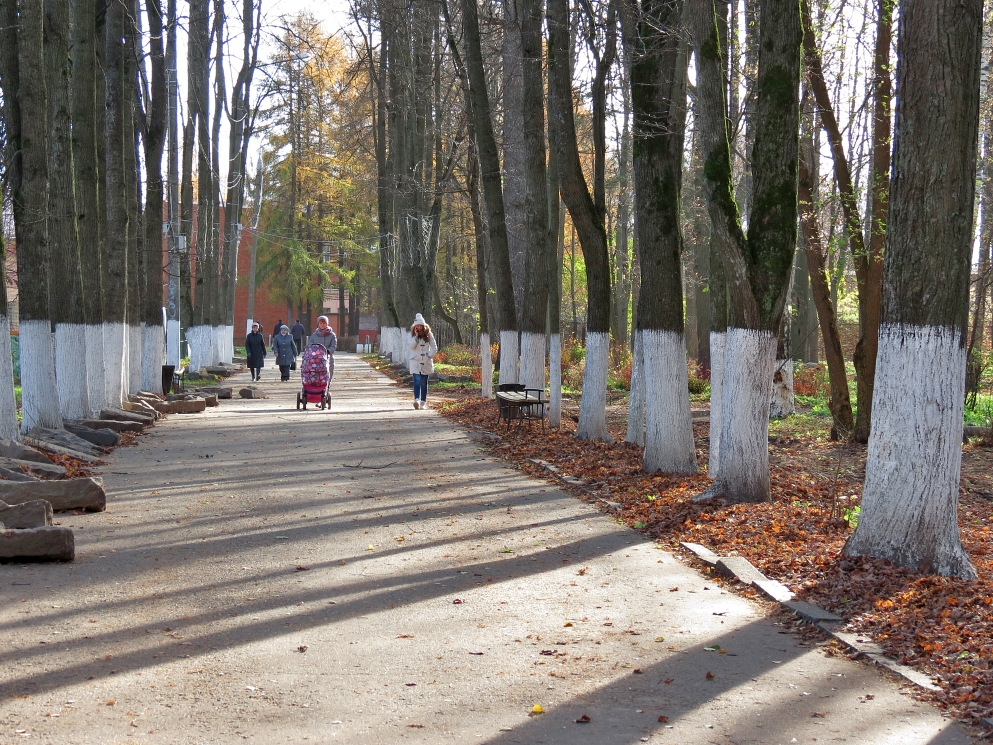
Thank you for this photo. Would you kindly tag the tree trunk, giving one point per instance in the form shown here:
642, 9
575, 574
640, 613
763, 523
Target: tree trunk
515, 168
658, 95
39, 396
132, 182
757, 268
13, 175
589, 226
66, 300
910, 497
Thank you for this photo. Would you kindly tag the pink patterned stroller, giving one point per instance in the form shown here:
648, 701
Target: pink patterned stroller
316, 369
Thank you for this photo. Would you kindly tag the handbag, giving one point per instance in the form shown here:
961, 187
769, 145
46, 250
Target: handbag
293, 365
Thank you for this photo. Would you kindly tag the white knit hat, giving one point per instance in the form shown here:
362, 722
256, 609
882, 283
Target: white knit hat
419, 320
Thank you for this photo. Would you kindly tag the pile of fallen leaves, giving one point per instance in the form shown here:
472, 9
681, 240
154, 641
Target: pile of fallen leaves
941, 626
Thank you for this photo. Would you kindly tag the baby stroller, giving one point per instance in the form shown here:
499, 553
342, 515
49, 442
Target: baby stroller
315, 371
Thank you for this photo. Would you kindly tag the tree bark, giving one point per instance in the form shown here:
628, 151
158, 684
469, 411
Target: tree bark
910, 497
589, 226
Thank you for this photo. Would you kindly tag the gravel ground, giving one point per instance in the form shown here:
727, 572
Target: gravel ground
369, 575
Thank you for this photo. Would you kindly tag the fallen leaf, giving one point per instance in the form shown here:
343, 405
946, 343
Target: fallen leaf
537, 709
669, 680
302, 568
584, 719
405, 636
710, 676
416, 726
457, 601
410, 685
663, 718
112, 702
638, 671
303, 648
660, 638
567, 623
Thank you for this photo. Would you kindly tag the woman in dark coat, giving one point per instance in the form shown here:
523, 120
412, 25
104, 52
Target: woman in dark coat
255, 351
285, 351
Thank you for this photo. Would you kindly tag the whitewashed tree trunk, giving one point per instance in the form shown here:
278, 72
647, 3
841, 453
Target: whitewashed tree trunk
669, 443
95, 377
910, 497
172, 340
485, 366
743, 475
718, 343
39, 395
533, 360
196, 337
8, 404
783, 400
227, 344
593, 404
509, 358
636, 404
153, 347
135, 347
555, 381
70, 370
115, 355
390, 344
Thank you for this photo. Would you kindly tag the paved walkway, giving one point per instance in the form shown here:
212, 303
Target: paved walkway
369, 575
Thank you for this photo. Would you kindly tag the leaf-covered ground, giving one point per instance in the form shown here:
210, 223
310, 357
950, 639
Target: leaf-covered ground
939, 625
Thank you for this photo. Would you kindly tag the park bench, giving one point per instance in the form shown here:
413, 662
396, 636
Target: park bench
518, 404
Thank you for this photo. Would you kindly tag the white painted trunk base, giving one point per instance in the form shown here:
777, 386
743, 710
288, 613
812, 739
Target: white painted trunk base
115, 348
718, 343
485, 366
388, 345
910, 497
70, 370
96, 379
39, 395
783, 401
8, 404
227, 344
533, 360
743, 475
509, 358
669, 443
636, 406
135, 346
172, 343
593, 404
152, 350
555, 381
197, 339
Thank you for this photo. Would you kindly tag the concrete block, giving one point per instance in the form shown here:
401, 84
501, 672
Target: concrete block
39, 544
774, 590
65, 494
703, 553
810, 612
251, 392
740, 569
34, 514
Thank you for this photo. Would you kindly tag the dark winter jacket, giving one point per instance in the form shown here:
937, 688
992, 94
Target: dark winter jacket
255, 349
297, 331
282, 347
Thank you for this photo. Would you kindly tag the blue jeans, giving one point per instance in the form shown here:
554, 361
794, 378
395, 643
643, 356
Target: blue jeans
420, 386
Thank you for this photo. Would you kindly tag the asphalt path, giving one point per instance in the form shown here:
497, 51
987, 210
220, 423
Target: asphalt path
368, 574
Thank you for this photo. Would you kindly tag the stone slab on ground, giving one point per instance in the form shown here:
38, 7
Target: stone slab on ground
18, 475
121, 415
37, 544
810, 612
703, 553
740, 568
47, 469
140, 407
222, 392
182, 406
66, 439
54, 447
252, 391
773, 590
115, 426
36, 513
222, 371
19, 451
299, 581
63, 494
104, 437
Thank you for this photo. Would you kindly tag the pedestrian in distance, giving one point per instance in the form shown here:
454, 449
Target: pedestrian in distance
275, 330
255, 351
297, 331
420, 358
325, 336
282, 347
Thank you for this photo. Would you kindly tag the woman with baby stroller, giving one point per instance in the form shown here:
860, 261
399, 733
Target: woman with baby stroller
317, 366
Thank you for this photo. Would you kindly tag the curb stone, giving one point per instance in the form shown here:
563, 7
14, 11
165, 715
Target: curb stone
780, 593
826, 621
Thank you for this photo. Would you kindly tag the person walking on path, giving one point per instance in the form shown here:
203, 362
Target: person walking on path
285, 351
420, 360
298, 332
255, 351
275, 331
325, 336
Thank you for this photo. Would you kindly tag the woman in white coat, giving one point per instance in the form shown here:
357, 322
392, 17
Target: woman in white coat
422, 348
